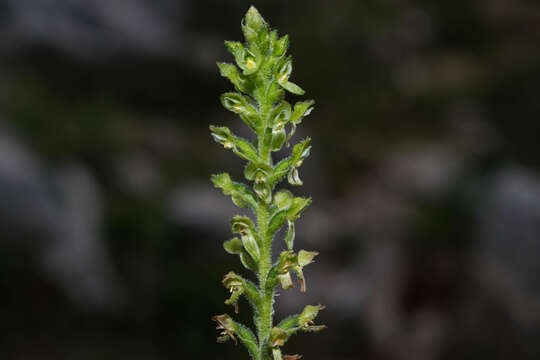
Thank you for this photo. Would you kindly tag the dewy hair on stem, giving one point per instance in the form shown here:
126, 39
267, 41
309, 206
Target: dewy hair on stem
261, 79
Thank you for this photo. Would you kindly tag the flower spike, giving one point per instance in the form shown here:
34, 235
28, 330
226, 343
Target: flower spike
261, 73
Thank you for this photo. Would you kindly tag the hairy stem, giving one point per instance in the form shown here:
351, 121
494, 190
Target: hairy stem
267, 297
264, 320
264, 150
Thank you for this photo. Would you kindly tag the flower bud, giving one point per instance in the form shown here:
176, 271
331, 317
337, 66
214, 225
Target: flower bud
281, 46
255, 29
254, 20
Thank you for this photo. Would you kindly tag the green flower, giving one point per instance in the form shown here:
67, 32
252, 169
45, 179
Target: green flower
235, 284
304, 258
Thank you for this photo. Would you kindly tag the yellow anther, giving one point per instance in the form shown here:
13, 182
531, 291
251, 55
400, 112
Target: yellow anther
251, 64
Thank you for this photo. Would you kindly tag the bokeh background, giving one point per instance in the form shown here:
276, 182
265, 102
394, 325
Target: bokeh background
425, 174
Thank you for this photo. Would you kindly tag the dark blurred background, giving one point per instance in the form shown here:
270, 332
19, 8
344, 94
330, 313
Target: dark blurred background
425, 174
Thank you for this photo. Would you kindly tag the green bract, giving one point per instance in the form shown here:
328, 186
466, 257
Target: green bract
261, 77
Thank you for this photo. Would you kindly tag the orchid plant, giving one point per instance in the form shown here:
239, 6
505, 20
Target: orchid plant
261, 78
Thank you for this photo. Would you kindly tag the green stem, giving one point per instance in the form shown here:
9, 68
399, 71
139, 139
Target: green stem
264, 150
264, 319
